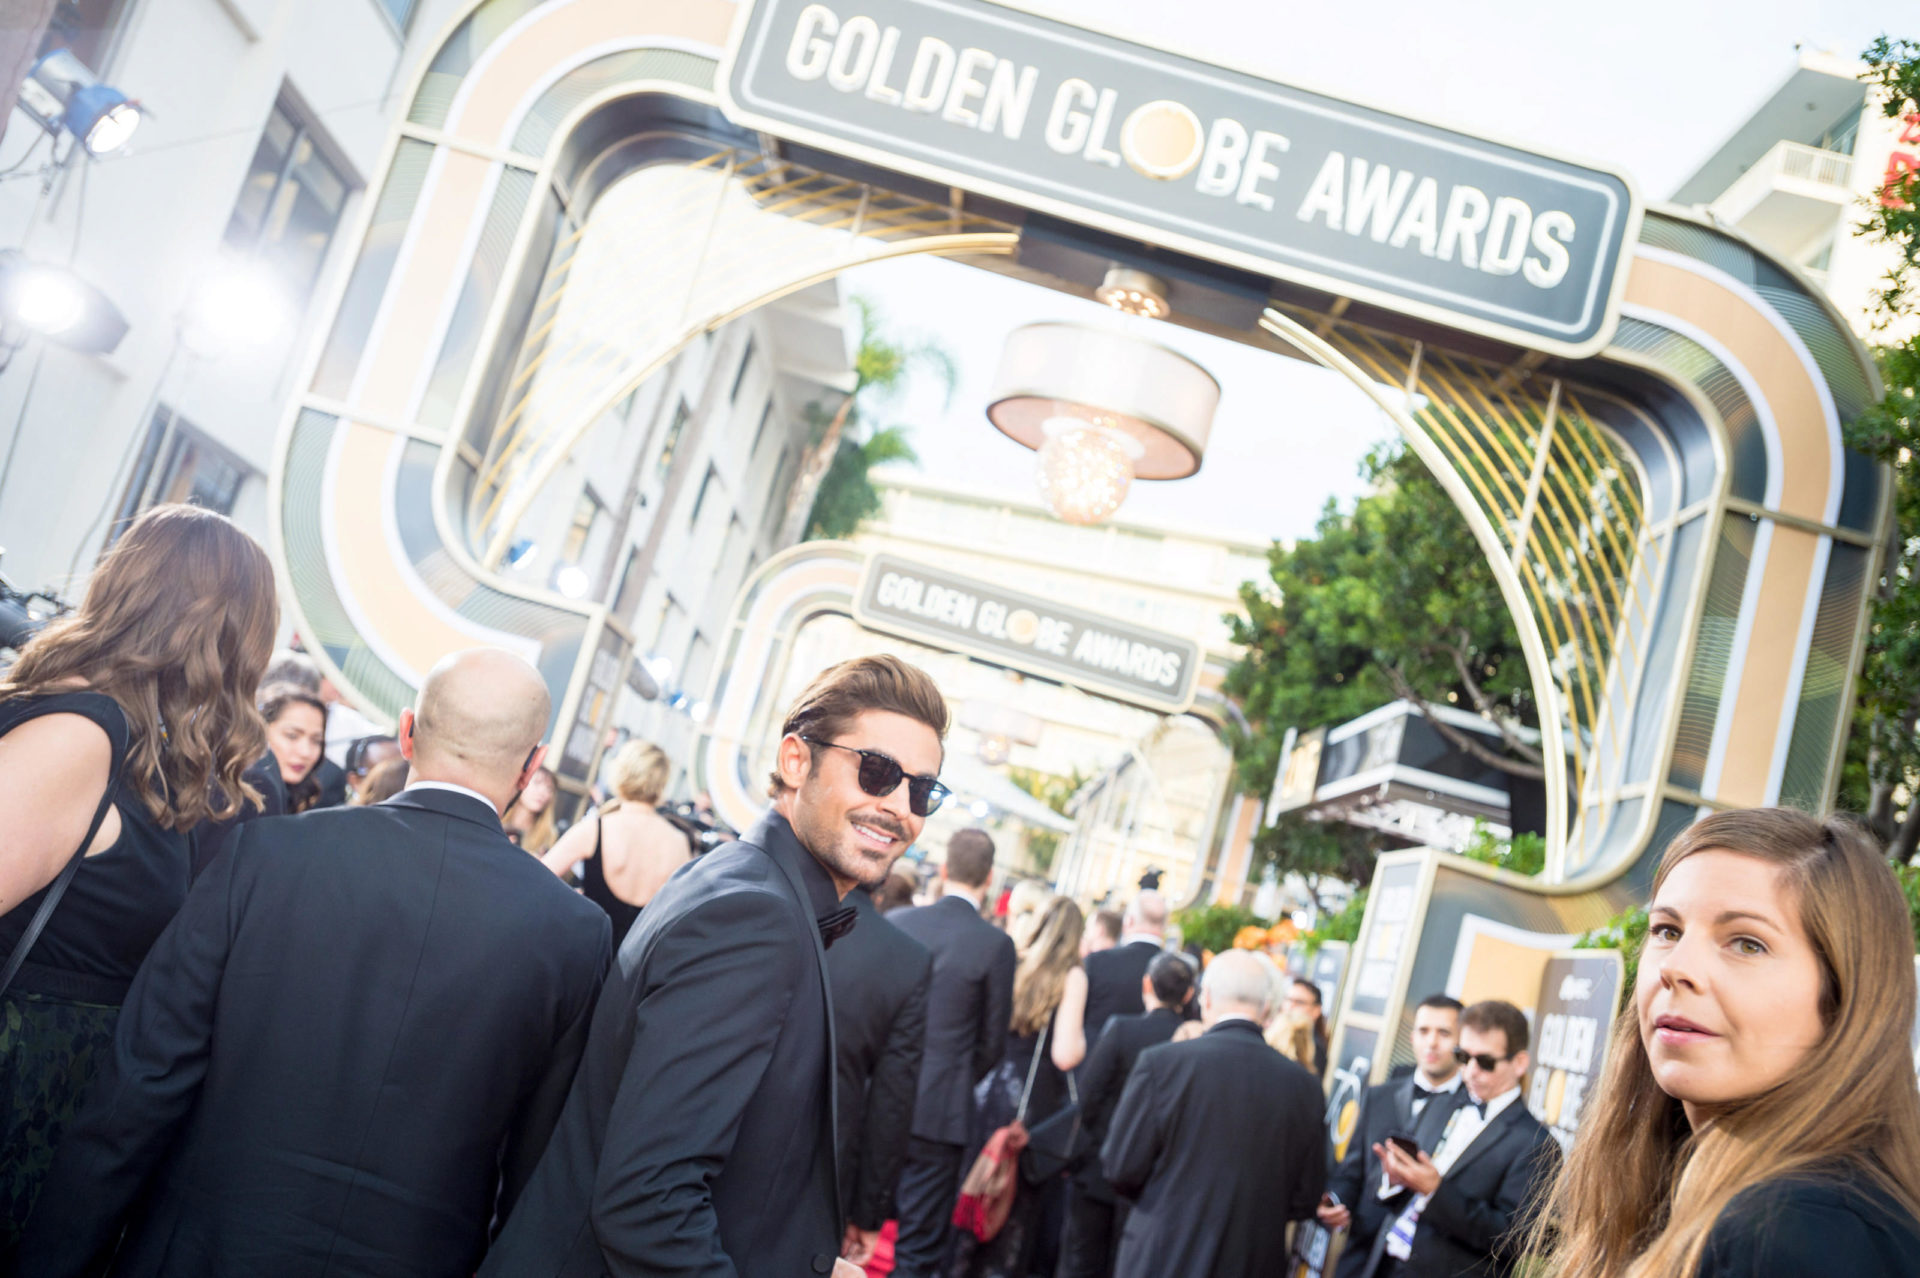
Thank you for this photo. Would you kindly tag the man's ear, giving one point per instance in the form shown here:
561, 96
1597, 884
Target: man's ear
1524, 1060
532, 766
795, 760
404, 734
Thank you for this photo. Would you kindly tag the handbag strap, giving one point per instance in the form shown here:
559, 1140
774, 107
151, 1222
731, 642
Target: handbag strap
1033, 1067
58, 888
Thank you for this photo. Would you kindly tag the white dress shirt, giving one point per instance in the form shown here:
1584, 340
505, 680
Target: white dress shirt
457, 789
1462, 1130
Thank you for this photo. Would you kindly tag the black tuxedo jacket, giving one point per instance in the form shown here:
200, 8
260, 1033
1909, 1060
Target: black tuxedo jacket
1104, 1076
1113, 984
1219, 1142
880, 977
1355, 1180
1475, 1223
699, 1136
345, 1054
969, 1009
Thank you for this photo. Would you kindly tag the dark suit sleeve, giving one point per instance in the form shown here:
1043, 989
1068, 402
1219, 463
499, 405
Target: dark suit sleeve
1137, 1132
539, 1110
891, 1093
1348, 1179
720, 984
1789, 1231
1101, 1080
146, 1088
1481, 1223
1310, 1174
996, 1010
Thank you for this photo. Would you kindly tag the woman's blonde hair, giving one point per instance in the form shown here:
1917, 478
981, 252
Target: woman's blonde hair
176, 626
1024, 904
1042, 975
1641, 1192
639, 775
1292, 1037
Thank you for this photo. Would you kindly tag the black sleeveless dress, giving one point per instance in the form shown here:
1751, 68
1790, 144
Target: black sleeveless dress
57, 1018
593, 886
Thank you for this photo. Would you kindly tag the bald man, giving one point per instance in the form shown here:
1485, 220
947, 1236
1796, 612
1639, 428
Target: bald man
1218, 1141
347, 1052
1114, 974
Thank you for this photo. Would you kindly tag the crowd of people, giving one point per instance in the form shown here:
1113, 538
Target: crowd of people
285, 994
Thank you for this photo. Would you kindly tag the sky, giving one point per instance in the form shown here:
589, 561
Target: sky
1650, 88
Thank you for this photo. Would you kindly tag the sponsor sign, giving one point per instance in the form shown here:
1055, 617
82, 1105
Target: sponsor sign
1097, 653
1579, 993
1390, 920
1329, 965
1202, 159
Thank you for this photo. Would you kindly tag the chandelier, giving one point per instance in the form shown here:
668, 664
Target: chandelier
1101, 409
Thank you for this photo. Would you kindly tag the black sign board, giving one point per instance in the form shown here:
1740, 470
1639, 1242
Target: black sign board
1579, 992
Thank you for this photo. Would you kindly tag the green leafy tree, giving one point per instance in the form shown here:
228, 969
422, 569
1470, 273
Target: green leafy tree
1213, 927
1054, 791
1882, 775
847, 494
883, 366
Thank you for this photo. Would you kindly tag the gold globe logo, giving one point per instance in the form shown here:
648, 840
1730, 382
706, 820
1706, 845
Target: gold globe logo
1343, 1127
1162, 140
1022, 626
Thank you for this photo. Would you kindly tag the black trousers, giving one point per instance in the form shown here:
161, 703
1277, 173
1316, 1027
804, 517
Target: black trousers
1092, 1239
929, 1187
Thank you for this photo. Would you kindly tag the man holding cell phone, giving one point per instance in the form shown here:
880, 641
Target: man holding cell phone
1459, 1203
1354, 1201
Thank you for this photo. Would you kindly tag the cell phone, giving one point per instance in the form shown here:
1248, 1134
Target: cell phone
1406, 1143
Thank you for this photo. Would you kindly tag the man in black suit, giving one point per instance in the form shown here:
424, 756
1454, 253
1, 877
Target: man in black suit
1460, 1211
1094, 1213
1217, 1141
1399, 1105
348, 1050
879, 977
969, 1010
1114, 975
699, 1138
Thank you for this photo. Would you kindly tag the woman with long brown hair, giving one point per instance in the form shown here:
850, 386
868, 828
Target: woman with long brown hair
1027, 1074
122, 727
1758, 1114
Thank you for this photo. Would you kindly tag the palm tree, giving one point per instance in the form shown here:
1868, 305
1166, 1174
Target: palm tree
882, 367
847, 494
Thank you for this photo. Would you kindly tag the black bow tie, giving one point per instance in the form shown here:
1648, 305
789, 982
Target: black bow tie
837, 924
1424, 1093
1480, 1108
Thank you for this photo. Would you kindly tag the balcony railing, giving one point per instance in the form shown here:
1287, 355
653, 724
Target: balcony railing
1811, 164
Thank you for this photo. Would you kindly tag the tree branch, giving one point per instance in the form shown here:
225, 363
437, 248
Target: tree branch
1485, 706
1459, 739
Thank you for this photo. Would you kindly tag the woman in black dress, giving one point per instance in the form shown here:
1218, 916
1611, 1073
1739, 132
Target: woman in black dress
1027, 1242
138, 710
628, 851
1758, 1115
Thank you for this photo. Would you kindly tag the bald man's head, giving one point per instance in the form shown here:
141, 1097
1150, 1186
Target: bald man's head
1241, 982
1148, 913
480, 715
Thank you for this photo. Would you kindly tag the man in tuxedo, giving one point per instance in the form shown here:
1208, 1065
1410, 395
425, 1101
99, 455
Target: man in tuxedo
1114, 975
1461, 1210
879, 977
969, 1010
699, 1137
1217, 1141
348, 1050
1094, 1213
1353, 1200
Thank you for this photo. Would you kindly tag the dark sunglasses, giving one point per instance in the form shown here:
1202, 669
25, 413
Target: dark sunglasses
1482, 1059
880, 775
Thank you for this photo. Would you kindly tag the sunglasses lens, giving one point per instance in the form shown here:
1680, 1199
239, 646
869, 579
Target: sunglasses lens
925, 795
879, 775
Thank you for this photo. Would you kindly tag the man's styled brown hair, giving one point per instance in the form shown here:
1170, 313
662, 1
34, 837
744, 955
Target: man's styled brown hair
840, 694
970, 858
1494, 1014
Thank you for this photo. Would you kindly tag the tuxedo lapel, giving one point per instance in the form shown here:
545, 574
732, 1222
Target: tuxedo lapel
1492, 1134
1433, 1119
1403, 1103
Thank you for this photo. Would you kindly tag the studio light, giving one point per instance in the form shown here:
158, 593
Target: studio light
661, 668
979, 808
1102, 409
61, 93
37, 299
573, 582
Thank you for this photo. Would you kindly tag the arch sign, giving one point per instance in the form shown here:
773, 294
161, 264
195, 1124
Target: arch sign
1637, 413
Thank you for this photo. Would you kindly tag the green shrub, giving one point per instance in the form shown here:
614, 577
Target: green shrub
1213, 927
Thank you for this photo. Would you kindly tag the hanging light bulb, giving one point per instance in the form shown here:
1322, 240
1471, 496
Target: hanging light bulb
1086, 468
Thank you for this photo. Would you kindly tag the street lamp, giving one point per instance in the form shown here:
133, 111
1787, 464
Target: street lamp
61, 93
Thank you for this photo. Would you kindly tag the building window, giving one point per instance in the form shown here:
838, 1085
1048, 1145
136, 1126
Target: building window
760, 431
291, 202
178, 463
740, 374
700, 501
399, 10
671, 444
586, 513
86, 27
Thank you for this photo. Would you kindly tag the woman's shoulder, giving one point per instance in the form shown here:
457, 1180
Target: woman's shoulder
1813, 1223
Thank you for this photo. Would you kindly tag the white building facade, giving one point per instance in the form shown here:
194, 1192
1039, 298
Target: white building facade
217, 233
